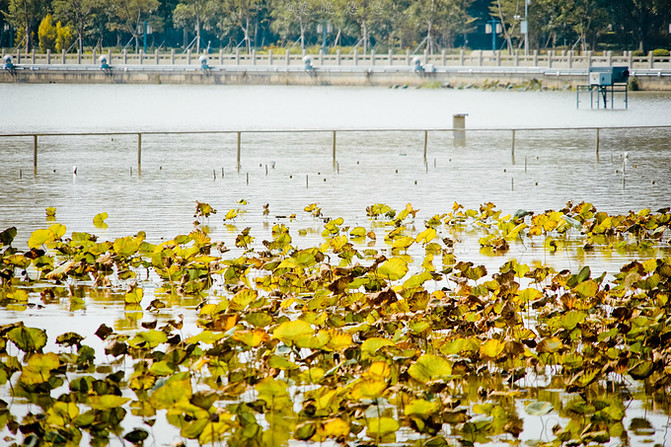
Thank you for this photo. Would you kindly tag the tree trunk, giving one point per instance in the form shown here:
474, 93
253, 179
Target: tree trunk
198, 35
365, 36
249, 46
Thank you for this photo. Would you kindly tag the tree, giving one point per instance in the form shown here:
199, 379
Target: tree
196, 13
23, 14
643, 19
241, 13
46, 34
292, 17
80, 14
368, 15
440, 17
588, 19
129, 15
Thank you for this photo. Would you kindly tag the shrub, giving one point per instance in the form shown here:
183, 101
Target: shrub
46, 34
660, 52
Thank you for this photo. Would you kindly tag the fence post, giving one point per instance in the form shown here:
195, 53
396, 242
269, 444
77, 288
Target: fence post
550, 54
188, 57
356, 56
535, 58
109, 57
517, 59
390, 56
480, 58
570, 58
63, 57
221, 57
651, 59
372, 57
288, 56
443, 55
141, 57
172, 56
48, 56
125, 56
158, 57
93, 56
338, 57
270, 57
631, 60
237, 57
254, 57
426, 56
589, 59
609, 56
238, 153
79, 56
407, 57
498, 58
33, 56
461, 57
139, 149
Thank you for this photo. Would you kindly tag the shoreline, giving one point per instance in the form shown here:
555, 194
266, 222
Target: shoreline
374, 76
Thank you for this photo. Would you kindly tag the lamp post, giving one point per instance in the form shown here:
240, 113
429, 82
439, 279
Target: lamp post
492, 26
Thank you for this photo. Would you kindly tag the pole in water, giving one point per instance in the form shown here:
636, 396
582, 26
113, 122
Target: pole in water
434, 162
525, 164
306, 180
222, 172
266, 169
239, 143
426, 142
513, 147
597, 143
139, 149
131, 171
214, 174
334, 146
35, 151
247, 179
20, 174
512, 184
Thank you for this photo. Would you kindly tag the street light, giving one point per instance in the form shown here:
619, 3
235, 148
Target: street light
493, 26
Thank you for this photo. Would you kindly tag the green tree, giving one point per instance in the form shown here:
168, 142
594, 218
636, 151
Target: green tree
440, 18
129, 15
242, 14
643, 19
588, 18
295, 17
80, 14
194, 13
23, 15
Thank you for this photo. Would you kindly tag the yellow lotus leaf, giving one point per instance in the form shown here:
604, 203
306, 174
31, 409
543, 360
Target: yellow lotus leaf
378, 370
368, 389
251, 338
393, 269
426, 236
371, 346
333, 428
430, 367
382, 426
421, 408
339, 341
492, 348
290, 331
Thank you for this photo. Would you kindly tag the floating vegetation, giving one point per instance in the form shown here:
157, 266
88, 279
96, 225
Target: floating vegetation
380, 334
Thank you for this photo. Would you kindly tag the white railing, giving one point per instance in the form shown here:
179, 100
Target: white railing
478, 58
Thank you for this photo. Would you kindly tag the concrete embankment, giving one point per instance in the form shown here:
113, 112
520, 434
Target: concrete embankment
659, 80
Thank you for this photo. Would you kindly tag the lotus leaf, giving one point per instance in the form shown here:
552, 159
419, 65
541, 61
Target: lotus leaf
107, 401
28, 339
99, 220
370, 347
430, 367
393, 269
289, 331
382, 426
539, 408
492, 349
420, 408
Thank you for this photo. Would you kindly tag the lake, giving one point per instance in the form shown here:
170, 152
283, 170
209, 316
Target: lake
289, 170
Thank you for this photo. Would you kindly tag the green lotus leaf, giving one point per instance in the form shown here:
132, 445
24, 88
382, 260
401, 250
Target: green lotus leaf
107, 401
417, 280
242, 299
276, 361
173, 391
193, 429
642, 370
587, 289
270, 389
136, 436
134, 296
539, 408
289, 331
305, 431
161, 368
370, 347
430, 367
368, 389
61, 414
148, 339
28, 339
7, 236
207, 337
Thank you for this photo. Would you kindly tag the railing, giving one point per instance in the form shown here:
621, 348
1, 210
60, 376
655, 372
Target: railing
459, 134
478, 58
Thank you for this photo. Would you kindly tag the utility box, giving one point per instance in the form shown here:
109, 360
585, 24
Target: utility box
608, 76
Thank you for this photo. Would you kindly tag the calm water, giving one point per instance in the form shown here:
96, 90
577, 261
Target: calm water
289, 171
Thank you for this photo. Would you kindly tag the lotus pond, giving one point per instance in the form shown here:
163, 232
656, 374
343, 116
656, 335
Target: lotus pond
470, 297
380, 334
